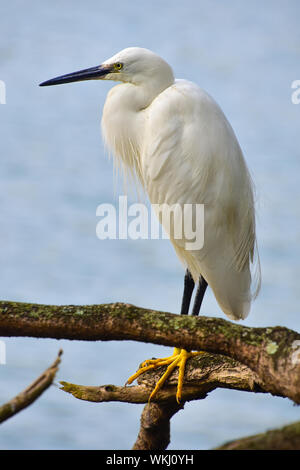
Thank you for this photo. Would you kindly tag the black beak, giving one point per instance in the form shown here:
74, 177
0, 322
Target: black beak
93, 73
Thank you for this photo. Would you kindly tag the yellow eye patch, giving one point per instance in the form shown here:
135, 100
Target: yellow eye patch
118, 66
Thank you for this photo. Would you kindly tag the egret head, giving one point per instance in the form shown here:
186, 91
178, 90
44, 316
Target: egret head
133, 65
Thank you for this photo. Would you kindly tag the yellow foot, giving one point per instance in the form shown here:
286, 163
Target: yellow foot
178, 359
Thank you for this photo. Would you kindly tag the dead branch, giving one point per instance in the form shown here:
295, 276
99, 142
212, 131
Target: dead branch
31, 393
203, 374
273, 354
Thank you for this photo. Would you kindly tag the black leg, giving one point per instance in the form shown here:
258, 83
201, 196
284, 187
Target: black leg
199, 295
187, 293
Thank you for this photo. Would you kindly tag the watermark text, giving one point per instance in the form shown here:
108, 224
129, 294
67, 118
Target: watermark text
2, 92
2, 352
295, 97
182, 222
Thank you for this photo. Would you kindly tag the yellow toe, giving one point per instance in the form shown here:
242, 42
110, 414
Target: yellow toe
164, 377
178, 359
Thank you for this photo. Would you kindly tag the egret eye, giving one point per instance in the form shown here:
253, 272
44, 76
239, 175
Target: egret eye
118, 66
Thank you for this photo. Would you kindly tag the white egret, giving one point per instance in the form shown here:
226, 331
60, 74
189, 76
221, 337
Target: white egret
176, 140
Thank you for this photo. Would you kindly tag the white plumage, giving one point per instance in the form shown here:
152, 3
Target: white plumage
175, 138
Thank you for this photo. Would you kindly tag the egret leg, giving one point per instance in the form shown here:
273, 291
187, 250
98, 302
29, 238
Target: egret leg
189, 285
184, 354
199, 295
179, 356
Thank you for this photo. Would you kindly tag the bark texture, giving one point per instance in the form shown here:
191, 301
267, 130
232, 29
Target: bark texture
203, 374
272, 353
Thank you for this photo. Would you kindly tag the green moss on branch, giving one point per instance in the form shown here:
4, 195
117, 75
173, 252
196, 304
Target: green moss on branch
272, 353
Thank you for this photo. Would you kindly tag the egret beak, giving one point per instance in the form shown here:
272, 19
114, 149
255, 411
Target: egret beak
92, 73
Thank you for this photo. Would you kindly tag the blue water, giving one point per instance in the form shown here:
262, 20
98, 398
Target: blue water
54, 172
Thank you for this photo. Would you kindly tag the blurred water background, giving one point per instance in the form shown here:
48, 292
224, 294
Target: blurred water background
54, 172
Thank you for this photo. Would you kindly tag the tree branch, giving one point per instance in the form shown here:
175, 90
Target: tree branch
154, 433
203, 374
272, 353
286, 438
31, 393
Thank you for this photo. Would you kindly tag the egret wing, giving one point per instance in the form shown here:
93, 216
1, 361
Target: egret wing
191, 156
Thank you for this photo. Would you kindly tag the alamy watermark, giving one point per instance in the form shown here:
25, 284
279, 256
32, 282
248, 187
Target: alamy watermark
2, 352
295, 97
179, 221
2, 92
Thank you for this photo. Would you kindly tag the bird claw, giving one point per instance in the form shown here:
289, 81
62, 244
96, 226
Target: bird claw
178, 359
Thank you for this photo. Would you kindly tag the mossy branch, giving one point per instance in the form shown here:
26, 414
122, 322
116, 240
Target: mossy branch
273, 354
285, 438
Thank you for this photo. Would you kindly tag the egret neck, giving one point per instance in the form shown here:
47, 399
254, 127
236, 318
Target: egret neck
125, 111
